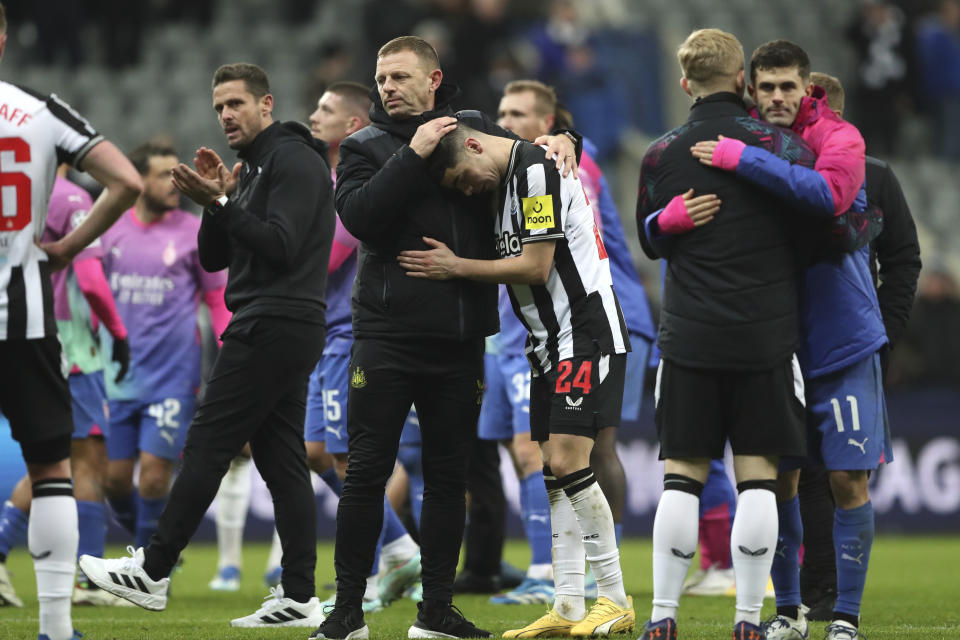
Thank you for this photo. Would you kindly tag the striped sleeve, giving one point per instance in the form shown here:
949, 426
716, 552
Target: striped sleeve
74, 136
541, 203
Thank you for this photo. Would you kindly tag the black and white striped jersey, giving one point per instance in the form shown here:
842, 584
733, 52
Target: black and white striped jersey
37, 133
576, 313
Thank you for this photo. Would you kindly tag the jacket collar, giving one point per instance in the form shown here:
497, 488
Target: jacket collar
267, 138
261, 143
405, 128
812, 108
716, 105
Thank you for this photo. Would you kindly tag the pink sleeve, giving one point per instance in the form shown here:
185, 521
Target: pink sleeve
727, 154
93, 283
343, 245
219, 314
841, 157
590, 179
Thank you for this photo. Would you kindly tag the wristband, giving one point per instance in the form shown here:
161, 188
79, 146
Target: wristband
675, 219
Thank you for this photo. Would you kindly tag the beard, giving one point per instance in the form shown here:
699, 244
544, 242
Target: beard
157, 205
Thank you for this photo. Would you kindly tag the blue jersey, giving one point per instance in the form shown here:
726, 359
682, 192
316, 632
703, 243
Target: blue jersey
512, 339
339, 327
839, 314
626, 281
839, 311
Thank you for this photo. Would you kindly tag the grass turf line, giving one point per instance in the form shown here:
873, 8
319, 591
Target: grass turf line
912, 592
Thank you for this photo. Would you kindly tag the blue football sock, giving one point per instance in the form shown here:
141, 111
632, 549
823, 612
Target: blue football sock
535, 511
332, 480
92, 521
148, 513
785, 571
125, 511
392, 527
13, 527
618, 532
852, 540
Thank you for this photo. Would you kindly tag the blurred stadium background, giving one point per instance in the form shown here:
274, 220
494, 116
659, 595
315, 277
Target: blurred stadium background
139, 69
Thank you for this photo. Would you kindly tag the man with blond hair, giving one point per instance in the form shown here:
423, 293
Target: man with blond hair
728, 331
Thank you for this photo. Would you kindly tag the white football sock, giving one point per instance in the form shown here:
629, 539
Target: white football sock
233, 499
675, 530
599, 538
753, 541
52, 537
276, 552
568, 567
540, 571
397, 552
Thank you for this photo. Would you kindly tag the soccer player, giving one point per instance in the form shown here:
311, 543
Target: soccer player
271, 221
76, 290
38, 132
415, 342
897, 251
843, 332
553, 258
729, 329
151, 260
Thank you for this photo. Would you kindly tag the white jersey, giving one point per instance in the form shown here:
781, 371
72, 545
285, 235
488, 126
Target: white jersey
576, 313
37, 133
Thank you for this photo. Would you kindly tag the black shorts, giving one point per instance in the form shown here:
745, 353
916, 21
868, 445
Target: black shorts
578, 397
760, 412
35, 394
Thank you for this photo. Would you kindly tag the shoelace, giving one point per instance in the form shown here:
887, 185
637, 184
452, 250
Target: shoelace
852, 633
775, 622
129, 564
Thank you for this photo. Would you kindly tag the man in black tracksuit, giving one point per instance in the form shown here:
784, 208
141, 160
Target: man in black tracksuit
415, 341
271, 221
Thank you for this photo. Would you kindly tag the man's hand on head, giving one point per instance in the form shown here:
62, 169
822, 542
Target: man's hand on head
561, 148
428, 135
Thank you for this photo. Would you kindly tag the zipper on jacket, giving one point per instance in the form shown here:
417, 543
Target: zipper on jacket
385, 294
456, 250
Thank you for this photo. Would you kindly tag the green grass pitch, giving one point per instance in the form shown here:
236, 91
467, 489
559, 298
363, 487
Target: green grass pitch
913, 591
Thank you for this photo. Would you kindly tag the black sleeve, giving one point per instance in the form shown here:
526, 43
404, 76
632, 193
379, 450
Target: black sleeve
296, 182
898, 253
213, 244
369, 198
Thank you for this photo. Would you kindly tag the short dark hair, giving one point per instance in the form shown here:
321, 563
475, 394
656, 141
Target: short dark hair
779, 54
562, 117
448, 151
420, 47
254, 78
353, 92
140, 156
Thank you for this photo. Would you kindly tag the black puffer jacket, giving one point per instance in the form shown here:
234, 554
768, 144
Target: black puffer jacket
387, 200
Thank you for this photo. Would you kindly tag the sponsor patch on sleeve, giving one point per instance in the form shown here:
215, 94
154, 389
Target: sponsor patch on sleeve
538, 212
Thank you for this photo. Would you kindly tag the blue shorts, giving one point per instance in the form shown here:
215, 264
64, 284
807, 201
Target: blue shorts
506, 401
847, 426
410, 436
158, 427
637, 363
327, 403
326, 419
89, 399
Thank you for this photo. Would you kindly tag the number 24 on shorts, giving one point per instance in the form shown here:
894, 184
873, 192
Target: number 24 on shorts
580, 381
